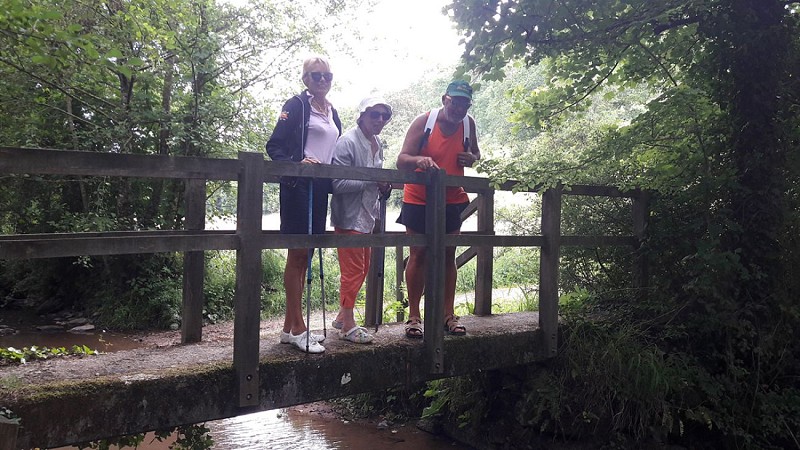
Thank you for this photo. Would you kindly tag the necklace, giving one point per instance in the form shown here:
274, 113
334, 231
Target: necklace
321, 106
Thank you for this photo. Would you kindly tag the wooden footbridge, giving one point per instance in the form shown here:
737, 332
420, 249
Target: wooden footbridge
198, 380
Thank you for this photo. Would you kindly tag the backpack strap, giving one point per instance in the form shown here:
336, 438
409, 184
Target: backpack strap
429, 126
466, 133
432, 121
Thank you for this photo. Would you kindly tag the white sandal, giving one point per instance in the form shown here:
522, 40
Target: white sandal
357, 334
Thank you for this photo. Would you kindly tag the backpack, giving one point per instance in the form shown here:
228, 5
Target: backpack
432, 121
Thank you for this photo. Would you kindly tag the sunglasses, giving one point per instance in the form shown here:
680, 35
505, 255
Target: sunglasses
460, 103
317, 76
377, 114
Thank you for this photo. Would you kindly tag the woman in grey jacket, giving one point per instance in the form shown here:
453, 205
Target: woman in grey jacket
354, 207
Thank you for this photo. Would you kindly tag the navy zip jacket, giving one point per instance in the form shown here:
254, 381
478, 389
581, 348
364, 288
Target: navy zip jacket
287, 142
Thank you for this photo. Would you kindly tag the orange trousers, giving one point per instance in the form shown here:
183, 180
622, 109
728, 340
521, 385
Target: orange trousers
353, 266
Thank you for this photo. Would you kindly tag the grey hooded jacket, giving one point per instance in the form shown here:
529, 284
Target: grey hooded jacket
354, 205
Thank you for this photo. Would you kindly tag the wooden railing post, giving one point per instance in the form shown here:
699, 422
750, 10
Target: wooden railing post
373, 310
193, 265
485, 265
641, 213
247, 301
435, 273
548, 268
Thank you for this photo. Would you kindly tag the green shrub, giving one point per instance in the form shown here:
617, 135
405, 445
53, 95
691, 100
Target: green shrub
219, 286
148, 297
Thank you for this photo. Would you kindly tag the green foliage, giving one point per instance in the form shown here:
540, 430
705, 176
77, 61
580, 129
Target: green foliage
515, 266
394, 404
695, 101
190, 437
11, 355
187, 437
438, 393
273, 297
219, 286
141, 77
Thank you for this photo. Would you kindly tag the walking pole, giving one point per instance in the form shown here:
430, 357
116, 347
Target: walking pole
310, 257
322, 286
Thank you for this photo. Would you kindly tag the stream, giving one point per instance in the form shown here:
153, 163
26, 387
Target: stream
310, 426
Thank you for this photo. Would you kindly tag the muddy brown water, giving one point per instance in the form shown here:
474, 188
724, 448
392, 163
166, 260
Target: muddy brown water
302, 427
26, 324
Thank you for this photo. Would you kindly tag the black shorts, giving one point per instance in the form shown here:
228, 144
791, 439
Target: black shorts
413, 217
294, 206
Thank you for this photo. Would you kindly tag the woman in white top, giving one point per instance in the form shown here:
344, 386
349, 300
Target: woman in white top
306, 132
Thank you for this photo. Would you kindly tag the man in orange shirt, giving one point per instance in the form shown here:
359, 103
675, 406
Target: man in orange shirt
445, 146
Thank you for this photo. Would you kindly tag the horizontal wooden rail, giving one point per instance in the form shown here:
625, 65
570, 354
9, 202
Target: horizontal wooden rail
63, 162
26, 247
250, 171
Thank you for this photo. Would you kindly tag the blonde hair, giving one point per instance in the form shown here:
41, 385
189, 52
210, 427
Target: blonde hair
314, 60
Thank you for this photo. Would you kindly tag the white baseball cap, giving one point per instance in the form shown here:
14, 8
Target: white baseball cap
369, 102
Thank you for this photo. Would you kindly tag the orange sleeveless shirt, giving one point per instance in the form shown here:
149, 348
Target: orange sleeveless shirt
444, 150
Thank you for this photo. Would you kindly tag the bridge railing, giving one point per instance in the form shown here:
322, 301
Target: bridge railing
251, 171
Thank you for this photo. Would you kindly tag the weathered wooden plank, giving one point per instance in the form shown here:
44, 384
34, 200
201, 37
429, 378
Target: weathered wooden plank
78, 244
277, 240
466, 256
435, 271
247, 300
473, 239
599, 191
597, 241
484, 267
471, 209
193, 265
373, 310
273, 170
548, 269
63, 162
131, 243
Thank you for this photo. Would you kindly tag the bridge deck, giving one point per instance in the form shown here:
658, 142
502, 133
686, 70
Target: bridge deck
71, 400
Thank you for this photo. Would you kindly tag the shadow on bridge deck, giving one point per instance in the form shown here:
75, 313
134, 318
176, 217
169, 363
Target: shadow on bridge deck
71, 400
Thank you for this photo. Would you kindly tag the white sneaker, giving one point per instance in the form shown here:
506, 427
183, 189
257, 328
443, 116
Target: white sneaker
286, 338
299, 341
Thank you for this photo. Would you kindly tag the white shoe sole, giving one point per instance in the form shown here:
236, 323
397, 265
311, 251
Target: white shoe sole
299, 341
287, 338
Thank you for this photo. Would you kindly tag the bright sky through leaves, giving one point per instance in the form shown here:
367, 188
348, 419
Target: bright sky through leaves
399, 43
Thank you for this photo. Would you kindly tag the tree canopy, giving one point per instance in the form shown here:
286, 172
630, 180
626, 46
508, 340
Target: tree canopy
717, 143
167, 77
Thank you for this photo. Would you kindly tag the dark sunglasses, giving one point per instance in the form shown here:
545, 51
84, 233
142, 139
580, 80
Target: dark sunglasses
317, 76
460, 103
377, 114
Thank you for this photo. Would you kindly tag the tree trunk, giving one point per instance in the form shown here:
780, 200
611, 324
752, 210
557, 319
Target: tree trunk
759, 49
